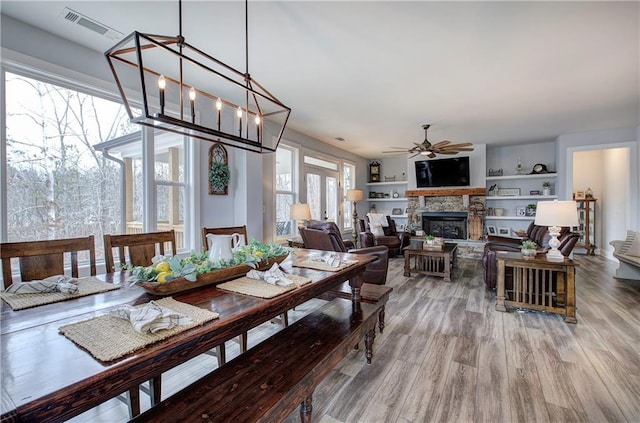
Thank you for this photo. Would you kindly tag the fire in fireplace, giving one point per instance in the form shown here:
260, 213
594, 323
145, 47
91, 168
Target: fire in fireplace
451, 225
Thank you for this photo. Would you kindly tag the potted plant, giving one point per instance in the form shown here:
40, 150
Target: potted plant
430, 239
531, 209
546, 188
528, 248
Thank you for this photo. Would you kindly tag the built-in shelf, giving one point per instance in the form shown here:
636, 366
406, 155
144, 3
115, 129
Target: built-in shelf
510, 217
521, 197
385, 199
534, 176
373, 184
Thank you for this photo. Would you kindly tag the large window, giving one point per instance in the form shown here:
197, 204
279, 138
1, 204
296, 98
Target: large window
286, 192
74, 166
57, 185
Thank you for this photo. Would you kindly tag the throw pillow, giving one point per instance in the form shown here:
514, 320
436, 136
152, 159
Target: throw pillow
632, 245
377, 230
632, 237
377, 219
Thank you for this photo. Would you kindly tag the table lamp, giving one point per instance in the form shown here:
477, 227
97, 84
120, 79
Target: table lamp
556, 214
355, 195
300, 212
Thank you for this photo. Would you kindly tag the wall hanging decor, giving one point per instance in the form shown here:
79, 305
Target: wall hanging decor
219, 172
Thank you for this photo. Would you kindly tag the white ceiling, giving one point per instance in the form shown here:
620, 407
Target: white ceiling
374, 72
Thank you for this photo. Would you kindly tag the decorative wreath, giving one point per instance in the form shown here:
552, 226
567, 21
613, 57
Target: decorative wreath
219, 175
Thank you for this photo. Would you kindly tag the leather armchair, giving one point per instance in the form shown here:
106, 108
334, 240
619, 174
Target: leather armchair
393, 239
538, 234
333, 228
326, 240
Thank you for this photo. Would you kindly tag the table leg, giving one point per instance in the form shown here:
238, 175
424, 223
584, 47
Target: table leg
571, 296
447, 268
500, 294
356, 284
407, 264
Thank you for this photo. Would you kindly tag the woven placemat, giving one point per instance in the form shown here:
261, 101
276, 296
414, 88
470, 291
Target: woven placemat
86, 286
108, 337
261, 289
319, 265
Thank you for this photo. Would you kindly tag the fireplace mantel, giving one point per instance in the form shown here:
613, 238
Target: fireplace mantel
445, 192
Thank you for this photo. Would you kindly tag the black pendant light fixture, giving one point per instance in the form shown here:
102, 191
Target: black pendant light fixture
181, 89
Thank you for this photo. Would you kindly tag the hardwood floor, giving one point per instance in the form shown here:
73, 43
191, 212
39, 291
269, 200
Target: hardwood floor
447, 355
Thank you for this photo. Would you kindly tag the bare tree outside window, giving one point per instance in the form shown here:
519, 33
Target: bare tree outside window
58, 186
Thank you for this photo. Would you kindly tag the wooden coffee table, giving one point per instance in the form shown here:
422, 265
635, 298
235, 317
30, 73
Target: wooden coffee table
430, 261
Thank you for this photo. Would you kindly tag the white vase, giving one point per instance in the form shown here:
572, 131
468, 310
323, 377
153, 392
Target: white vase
546, 191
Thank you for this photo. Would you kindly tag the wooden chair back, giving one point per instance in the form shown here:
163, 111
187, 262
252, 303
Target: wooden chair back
41, 259
140, 248
242, 230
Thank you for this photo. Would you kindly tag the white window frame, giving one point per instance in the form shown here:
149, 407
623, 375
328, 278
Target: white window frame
294, 192
69, 81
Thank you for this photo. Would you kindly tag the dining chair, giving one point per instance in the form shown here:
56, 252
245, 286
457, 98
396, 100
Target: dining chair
137, 249
242, 230
40, 259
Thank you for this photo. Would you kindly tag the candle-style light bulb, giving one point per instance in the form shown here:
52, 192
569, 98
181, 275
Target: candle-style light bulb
219, 108
162, 84
258, 126
192, 98
240, 120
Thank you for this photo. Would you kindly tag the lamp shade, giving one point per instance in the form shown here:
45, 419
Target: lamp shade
300, 212
355, 195
556, 213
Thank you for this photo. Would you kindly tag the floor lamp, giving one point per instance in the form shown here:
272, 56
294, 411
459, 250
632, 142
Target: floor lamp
556, 214
355, 195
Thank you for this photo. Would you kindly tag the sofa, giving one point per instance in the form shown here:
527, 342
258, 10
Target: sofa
628, 254
538, 234
390, 236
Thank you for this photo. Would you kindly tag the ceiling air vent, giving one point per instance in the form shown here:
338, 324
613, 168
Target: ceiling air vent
77, 18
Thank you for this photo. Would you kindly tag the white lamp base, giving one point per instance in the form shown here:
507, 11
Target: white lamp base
554, 254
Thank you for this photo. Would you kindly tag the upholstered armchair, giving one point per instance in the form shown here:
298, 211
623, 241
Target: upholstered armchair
388, 236
333, 228
327, 240
538, 234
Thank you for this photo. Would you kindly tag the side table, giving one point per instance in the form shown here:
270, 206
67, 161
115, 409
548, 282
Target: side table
537, 284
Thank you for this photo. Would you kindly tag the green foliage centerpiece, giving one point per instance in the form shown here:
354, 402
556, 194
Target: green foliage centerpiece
173, 274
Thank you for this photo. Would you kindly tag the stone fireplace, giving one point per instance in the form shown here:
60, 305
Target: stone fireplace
449, 225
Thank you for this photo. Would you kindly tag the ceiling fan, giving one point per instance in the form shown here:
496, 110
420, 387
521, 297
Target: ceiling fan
430, 150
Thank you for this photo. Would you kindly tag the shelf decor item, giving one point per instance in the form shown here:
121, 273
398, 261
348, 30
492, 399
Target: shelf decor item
495, 172
531, 210
546, 188
374, 172
396, 211
509, 191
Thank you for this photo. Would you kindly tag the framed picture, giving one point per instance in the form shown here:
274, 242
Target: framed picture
504, 231
491, 230
521, 211
580, 195
396, 211
406, 211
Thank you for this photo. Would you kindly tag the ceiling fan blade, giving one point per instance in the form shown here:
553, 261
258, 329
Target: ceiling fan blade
441, 144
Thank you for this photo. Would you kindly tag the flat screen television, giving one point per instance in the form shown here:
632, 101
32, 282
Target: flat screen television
453, 172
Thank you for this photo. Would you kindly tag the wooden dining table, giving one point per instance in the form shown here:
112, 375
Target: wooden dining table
46, 377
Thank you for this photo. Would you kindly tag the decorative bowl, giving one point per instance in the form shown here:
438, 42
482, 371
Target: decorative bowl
203, 279
528, 253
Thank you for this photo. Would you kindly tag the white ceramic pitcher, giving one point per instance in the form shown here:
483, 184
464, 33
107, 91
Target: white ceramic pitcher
220, 246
